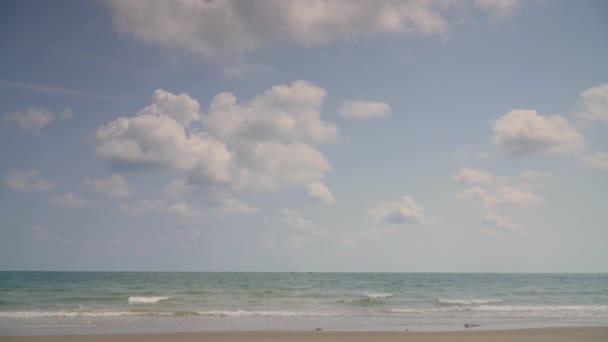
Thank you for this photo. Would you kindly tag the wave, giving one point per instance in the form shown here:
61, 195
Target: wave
444, 301
146, 300
513, 308
238, 313
363, 302
507, 308
377, 295
75, 314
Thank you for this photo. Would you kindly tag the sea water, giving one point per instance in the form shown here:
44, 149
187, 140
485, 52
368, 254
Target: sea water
118, 302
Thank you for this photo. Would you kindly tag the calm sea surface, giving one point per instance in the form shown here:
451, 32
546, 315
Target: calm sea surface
96, 302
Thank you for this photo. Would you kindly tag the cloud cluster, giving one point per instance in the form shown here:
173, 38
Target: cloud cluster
231, 28
28, 180
319, 192
115, 186
70, 200
264, 144
399, 212
472, 176
527, 132
493, 192
308, 231
520, 132
35, 118
595, 104
365, 110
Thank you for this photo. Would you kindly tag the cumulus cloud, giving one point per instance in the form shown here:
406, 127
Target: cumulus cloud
319, 192
285, 113
227, 204
115, 186
43, 233
498, 8
365, 110
27, 180
142, 207
67, 114
263, 144
32, 119
399, 212
495, 192
472, 176
243, 69
232, 28
596, 160
35, 118
178, 188
308, 230
595, 103
504, 195
70, 200
183, 209
526, 132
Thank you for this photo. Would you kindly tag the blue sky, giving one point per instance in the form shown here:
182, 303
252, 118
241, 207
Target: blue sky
420, 136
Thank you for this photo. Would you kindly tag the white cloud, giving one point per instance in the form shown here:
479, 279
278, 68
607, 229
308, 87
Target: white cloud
43, 233
527, 132
308, 230
264, 144
183, 209
399, 212
227, 28
70, 200
224, 203
472, 176
285, 113
365, 110
293, 219
534, 175
595, 103
319, 192
597, 160
498, 8
67, 114
179, 188
503, 195
33, 119
142, 207
298, 241
243, 69
499, 221
27, 180
115, 186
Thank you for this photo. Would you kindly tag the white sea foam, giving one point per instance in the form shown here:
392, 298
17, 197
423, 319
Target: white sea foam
146, 300
537, 308
40, 314
377, 295
460, 301
238, 313
525, 309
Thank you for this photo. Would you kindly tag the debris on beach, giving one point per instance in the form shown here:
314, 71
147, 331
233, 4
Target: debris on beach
471, 325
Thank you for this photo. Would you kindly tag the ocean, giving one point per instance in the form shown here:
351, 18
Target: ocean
122, 302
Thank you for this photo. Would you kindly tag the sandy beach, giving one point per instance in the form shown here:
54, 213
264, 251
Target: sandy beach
536, 335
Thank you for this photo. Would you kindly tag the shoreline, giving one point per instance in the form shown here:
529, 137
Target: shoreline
583, 334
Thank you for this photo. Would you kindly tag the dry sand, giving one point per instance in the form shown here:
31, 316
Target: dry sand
599, 334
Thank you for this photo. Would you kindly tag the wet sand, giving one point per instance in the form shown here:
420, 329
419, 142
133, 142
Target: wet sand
599, 334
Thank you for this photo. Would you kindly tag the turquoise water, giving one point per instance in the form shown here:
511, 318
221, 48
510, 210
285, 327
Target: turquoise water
92, 302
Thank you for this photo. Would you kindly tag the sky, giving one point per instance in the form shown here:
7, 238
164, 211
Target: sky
352, 136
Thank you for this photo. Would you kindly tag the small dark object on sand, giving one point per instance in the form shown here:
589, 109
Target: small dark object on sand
318, 329
471, 325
